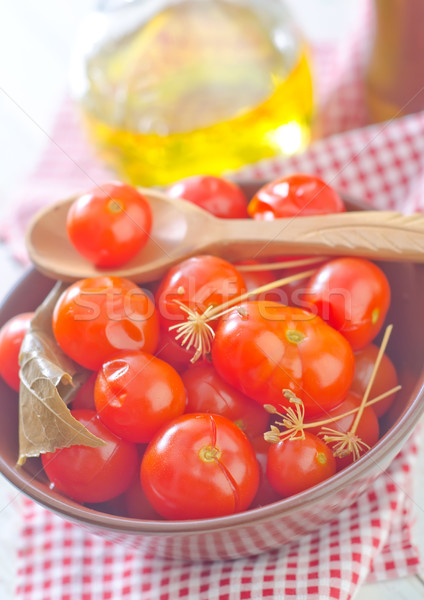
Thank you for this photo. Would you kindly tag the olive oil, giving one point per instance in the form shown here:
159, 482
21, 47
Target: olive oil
201, 87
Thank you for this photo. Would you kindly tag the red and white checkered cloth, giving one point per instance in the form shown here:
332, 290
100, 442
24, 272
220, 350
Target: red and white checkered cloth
381, 164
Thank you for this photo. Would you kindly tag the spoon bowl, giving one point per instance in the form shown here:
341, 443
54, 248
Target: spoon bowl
182, 229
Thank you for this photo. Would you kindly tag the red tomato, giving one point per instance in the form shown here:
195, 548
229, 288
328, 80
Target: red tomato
136, 504
200, 466
262, 348
292, 293
367, 431
110, 224
353, 296
84, 398
98, 317
172, 352
11, 337
218, 196
266, 493
255, 279
207, 392
296, 465
385, 379
198, 283
295, 195
92, 474
136, 394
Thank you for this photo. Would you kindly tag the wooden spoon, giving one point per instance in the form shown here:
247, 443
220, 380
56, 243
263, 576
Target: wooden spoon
181, 229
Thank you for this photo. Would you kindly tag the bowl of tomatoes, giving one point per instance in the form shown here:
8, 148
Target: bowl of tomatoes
220, 412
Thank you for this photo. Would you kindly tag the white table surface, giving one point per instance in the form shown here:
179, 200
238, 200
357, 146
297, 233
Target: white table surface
35, 42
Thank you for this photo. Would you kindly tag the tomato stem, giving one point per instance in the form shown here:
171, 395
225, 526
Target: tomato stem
294, 336
209, 454
115, 206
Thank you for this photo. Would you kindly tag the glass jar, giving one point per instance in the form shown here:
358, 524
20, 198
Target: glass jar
179, 87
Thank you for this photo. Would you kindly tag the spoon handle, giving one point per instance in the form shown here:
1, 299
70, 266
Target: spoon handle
379, 235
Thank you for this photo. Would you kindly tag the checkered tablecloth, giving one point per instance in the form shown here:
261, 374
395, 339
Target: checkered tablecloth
382, 165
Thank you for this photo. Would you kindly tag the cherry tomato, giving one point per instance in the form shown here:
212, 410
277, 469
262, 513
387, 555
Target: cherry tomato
292, 293
266, 493
264, 347
218, 196
353, 296
200, 466
197, 283
136, 394
255, 279
172, 352
367, 431
296, 465
92, 474
385, 379
98, 317
110, 224
11, 337
84, 398
295, 195
207, 392
136, 504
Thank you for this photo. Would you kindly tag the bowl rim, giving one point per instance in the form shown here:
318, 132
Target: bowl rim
38, 491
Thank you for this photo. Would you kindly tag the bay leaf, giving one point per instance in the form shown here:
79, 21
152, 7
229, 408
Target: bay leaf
48, 380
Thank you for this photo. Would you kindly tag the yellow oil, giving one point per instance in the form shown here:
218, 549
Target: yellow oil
203, 87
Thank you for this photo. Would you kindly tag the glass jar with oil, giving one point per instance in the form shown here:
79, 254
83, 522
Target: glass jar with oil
179, 87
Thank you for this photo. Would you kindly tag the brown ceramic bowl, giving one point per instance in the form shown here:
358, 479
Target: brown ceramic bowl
258, 529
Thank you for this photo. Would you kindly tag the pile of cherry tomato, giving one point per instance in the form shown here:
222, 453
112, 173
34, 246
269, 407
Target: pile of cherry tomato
184, 413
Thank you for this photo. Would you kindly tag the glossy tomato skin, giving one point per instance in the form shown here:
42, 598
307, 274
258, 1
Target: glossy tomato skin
92, 474
171, 351
207, 392
296, 465
11, 337
262, 348
136, 394
96, 318
293, 292
198, 283
295, 195
386, 377
220, 197
367, 430
255, 279
200, 466
353, 296
110, 224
